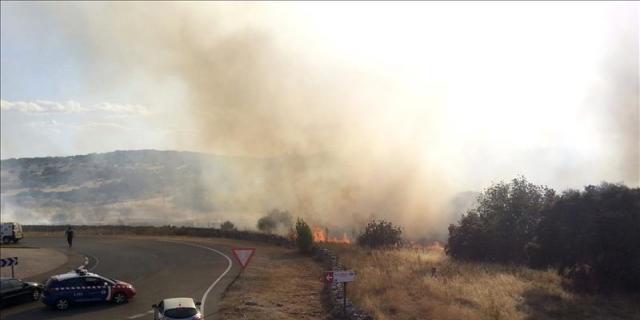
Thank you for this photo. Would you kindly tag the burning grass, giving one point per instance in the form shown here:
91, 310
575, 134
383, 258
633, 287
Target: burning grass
400, 284
321, 235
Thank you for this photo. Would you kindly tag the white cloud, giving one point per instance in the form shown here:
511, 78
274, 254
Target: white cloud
47, 107
122, 108
103, 125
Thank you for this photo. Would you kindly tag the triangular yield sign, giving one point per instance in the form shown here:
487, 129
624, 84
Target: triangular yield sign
243, 255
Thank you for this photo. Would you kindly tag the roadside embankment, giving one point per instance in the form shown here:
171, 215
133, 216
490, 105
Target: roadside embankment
278, 284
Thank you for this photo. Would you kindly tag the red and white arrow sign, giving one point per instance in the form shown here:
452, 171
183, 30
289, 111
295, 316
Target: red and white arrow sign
243, 255
328, 277
340, 276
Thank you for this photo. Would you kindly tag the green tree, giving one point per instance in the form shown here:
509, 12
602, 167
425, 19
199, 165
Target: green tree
227, 226
304, 236
502, 224
275, 220
266, 224
598, 227
379, 234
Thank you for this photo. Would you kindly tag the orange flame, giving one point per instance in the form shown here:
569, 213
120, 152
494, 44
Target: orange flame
320, 235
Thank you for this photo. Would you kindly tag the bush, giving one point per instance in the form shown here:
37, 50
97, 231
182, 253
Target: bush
275, 220
304, 236
266, 224
227, 226
379, 234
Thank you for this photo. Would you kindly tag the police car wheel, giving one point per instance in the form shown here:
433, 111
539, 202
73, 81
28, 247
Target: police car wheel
35, 295
6, 240
119, 298
62, 304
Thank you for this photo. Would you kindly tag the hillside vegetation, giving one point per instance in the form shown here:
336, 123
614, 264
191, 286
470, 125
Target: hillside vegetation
523, 252
400, 284
590, 236
139, 187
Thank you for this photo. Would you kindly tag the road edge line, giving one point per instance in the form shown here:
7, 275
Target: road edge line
206, 293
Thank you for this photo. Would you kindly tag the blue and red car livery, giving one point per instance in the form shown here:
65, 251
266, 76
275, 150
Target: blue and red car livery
63, 290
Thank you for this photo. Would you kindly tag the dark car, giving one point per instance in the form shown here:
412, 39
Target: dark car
14, 290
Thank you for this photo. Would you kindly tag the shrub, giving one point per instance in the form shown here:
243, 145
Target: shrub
227, 226
266, 224
380, 234
304, 236
275, 220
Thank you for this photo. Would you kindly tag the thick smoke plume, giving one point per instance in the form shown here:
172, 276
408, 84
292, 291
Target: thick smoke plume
356, 138
348, 155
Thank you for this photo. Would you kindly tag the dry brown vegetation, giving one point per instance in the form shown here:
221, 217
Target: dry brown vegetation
398, 284
278, 284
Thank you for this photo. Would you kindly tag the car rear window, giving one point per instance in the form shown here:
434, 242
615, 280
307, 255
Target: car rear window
180, 312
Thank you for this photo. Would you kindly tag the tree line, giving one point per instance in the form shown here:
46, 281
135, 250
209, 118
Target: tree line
592, 236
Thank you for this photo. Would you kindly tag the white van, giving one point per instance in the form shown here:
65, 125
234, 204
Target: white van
10, 232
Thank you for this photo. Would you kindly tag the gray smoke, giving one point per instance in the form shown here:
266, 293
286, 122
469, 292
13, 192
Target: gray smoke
338, 142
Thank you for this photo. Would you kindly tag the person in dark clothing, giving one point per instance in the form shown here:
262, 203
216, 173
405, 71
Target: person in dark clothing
69, 234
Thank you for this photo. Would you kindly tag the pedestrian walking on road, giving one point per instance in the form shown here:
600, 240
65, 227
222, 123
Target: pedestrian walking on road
69, 234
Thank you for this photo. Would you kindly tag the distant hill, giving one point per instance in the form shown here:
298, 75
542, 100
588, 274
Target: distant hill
144, 187
149, 187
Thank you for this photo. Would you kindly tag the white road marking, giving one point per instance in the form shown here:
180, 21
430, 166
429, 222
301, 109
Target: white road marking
94, 259
206, 293
140, 315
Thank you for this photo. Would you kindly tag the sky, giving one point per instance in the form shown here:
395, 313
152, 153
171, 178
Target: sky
405, 93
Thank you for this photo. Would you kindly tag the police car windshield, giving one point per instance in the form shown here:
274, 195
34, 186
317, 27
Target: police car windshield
180, 312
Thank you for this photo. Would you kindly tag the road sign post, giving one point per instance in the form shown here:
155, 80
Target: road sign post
344, 299
9, 262
343, 277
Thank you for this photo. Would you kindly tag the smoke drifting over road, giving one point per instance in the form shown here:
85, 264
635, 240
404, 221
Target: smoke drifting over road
377, 110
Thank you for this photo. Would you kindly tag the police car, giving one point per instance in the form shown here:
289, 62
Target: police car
79, 286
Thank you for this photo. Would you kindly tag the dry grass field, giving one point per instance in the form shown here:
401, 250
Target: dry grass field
279, 284
399, 284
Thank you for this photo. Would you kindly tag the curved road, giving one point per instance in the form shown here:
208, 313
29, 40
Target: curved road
158, 269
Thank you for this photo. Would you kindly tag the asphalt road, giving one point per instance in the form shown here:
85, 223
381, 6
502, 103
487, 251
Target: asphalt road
158, 269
